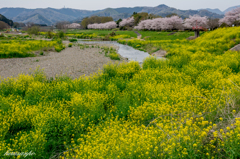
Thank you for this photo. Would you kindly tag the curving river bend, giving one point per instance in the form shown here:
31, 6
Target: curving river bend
124, 50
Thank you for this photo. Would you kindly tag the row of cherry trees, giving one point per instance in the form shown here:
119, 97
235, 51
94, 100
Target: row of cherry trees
167, 23
170, 23
108, 25
174, 22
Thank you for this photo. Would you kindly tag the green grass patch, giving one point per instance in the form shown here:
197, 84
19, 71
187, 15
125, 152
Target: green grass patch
100, 33
154, 35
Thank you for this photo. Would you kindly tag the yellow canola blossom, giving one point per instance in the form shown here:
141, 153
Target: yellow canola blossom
21, 48
182, 107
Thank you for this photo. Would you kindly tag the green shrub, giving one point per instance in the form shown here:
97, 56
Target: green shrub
59, 41
72, 40
70, 45
33, 30
106, 38
59, 48
112, 34
61, 34
114, 56
49, 35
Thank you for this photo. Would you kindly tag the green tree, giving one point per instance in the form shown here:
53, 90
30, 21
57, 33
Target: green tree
134, 13
213, 23
95, 19
236, 23
139, 17
3, 25
172, 14
119, 20
143, 16
4, 19
33, 30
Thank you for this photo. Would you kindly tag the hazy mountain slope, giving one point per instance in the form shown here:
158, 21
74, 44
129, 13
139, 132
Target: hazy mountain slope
217, 11
210, 14
74, 12
47, 13
13, 12
164, 10
37, 19
122, 16
161, 10
109, 12
128, 10
231, 8
52, 15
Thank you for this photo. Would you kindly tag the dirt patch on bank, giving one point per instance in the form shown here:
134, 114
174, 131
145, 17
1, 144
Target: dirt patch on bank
191, 38
73, 62
236, 48
160, 53
172, 33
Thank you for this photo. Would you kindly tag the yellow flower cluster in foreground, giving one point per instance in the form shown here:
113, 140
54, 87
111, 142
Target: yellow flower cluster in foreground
184, 107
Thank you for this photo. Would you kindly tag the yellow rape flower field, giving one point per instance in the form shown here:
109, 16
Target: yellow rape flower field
184, 107
25, 48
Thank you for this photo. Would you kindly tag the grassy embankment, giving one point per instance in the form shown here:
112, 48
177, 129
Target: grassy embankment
153, 41
183, 107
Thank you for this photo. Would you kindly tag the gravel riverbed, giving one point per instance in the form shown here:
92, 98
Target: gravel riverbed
73, 62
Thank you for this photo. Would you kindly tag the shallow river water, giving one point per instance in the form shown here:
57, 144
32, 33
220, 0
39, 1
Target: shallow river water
124, 50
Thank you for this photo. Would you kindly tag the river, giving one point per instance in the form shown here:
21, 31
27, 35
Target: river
124, 50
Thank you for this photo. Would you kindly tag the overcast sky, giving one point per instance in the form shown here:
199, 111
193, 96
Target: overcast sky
102, 4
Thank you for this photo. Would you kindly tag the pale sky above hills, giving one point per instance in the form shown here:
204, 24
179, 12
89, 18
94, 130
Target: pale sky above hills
102, 4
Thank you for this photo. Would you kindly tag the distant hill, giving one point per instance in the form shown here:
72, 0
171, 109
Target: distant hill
36, 18
217, 11
128, 10
231, 8
161, 10
47, 15
4, 19
109, 12
50, 16
164, 10
13, 12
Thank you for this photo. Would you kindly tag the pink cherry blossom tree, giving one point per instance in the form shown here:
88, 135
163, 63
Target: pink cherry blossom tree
127, 22
167, 23
108, 25
231, 17
176, 22
73, 26
196, 23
